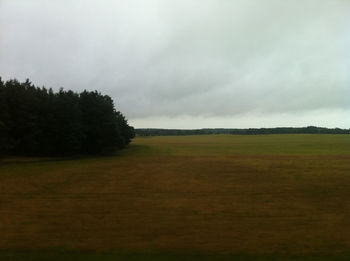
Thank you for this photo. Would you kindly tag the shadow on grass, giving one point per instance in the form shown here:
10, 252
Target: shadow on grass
127, 151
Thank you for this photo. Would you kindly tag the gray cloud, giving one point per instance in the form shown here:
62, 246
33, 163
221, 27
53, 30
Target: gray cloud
187, 58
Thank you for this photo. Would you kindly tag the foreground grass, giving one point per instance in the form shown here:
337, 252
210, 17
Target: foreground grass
52, 255
269, 196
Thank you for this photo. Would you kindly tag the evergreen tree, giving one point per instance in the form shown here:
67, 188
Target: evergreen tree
37, 121
4, 121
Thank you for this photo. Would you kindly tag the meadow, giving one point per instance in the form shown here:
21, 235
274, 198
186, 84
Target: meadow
215, 197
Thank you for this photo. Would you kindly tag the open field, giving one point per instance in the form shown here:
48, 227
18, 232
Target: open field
171, 198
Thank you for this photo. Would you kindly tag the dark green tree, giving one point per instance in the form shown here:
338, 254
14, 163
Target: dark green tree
37, 121
4, 121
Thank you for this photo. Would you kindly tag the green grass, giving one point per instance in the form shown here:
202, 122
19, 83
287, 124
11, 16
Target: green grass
223, 197
300, 144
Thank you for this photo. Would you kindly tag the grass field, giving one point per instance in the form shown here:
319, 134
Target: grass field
264, 197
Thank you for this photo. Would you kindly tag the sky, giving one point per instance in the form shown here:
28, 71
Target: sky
189, 63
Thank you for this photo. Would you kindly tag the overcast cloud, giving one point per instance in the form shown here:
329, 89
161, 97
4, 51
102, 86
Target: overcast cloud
189, 63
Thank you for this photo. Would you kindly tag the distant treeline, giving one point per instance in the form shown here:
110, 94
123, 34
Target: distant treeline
252, 131
39, 121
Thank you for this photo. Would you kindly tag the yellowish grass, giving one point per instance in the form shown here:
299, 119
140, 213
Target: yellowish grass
287, 194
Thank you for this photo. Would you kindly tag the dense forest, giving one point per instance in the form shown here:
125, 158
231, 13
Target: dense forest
39, 121
252, 131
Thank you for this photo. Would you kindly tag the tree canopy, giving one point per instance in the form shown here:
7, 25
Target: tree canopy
39, 121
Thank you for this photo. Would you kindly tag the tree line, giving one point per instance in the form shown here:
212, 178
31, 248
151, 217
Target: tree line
39, 121
250, 131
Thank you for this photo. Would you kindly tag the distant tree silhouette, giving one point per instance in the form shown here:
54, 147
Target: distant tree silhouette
251, 131
38, 121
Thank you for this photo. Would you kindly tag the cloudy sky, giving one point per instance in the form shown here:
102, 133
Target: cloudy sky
189, 63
